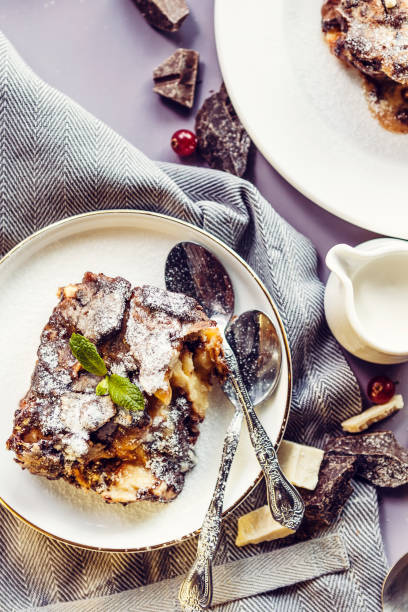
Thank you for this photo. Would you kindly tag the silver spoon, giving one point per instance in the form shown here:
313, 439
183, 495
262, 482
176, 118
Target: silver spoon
395, 587
193, 270
254, 340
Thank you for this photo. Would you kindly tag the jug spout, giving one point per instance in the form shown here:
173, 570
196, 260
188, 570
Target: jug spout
344, 261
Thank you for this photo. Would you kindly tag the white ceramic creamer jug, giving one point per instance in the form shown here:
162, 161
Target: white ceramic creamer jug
366, 299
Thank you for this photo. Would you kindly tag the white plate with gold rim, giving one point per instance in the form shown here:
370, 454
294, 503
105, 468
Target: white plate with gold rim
132, 244
307, 114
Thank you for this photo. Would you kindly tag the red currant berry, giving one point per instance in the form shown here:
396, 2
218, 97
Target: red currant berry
184, 142
380, 389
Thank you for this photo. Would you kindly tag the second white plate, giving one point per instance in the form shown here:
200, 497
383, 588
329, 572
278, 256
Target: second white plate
307, 113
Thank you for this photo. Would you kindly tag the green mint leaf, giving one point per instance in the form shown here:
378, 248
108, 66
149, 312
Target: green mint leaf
85, 351
125, 394
103, 387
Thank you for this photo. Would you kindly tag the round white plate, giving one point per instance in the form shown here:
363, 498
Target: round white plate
307, 113
132, 244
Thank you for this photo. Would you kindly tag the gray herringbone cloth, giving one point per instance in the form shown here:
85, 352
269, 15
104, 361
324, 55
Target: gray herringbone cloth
57, 160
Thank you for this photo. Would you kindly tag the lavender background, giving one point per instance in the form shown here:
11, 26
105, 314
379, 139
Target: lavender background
102, 53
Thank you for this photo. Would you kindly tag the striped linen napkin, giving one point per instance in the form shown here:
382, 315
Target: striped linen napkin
233, 581
57, 160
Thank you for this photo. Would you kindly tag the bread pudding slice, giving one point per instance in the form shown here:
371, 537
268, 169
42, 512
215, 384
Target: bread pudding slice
162, 342
372, 36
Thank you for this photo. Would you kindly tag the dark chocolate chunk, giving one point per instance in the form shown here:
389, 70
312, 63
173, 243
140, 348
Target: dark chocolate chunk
402, 115
165, 15
176, 77
380, 459
333, 490
222, 140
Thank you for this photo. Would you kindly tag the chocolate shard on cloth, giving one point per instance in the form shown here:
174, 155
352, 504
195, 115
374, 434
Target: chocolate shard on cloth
323, 505
380, 459
222, 140
167, 15
176, 77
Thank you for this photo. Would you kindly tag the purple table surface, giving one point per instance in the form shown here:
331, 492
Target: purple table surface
102, 53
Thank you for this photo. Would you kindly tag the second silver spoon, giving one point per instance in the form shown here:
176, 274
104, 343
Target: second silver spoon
254, 340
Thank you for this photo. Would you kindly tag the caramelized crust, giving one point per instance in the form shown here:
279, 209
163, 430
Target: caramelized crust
166, 345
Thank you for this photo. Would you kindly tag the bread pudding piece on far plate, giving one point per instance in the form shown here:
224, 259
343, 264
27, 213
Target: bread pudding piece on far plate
162, 342
372, 36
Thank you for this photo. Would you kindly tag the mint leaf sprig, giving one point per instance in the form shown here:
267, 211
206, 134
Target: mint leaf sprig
103, 387
121, 390
124, 393
85, 351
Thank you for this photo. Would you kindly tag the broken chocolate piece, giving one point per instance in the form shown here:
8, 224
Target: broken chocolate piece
333, 490
176, 77
222, 140
167, 15
380, 459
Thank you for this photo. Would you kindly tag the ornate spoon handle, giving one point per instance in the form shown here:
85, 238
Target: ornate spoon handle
197, 588
284, 500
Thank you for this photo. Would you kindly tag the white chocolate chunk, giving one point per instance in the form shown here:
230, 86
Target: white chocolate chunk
362, 421
390, 3
300, 463
259, 526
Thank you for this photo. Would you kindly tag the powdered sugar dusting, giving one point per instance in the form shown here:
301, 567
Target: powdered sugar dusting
173, 455
370, 29
382, 43
52, 373
153, 347
75, 415
105, 314
48, 354
174, 304
99, 306
375, 41
154, 330
87, 412
47, 382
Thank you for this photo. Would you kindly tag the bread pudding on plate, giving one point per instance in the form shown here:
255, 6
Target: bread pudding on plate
155, 342
372, 36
